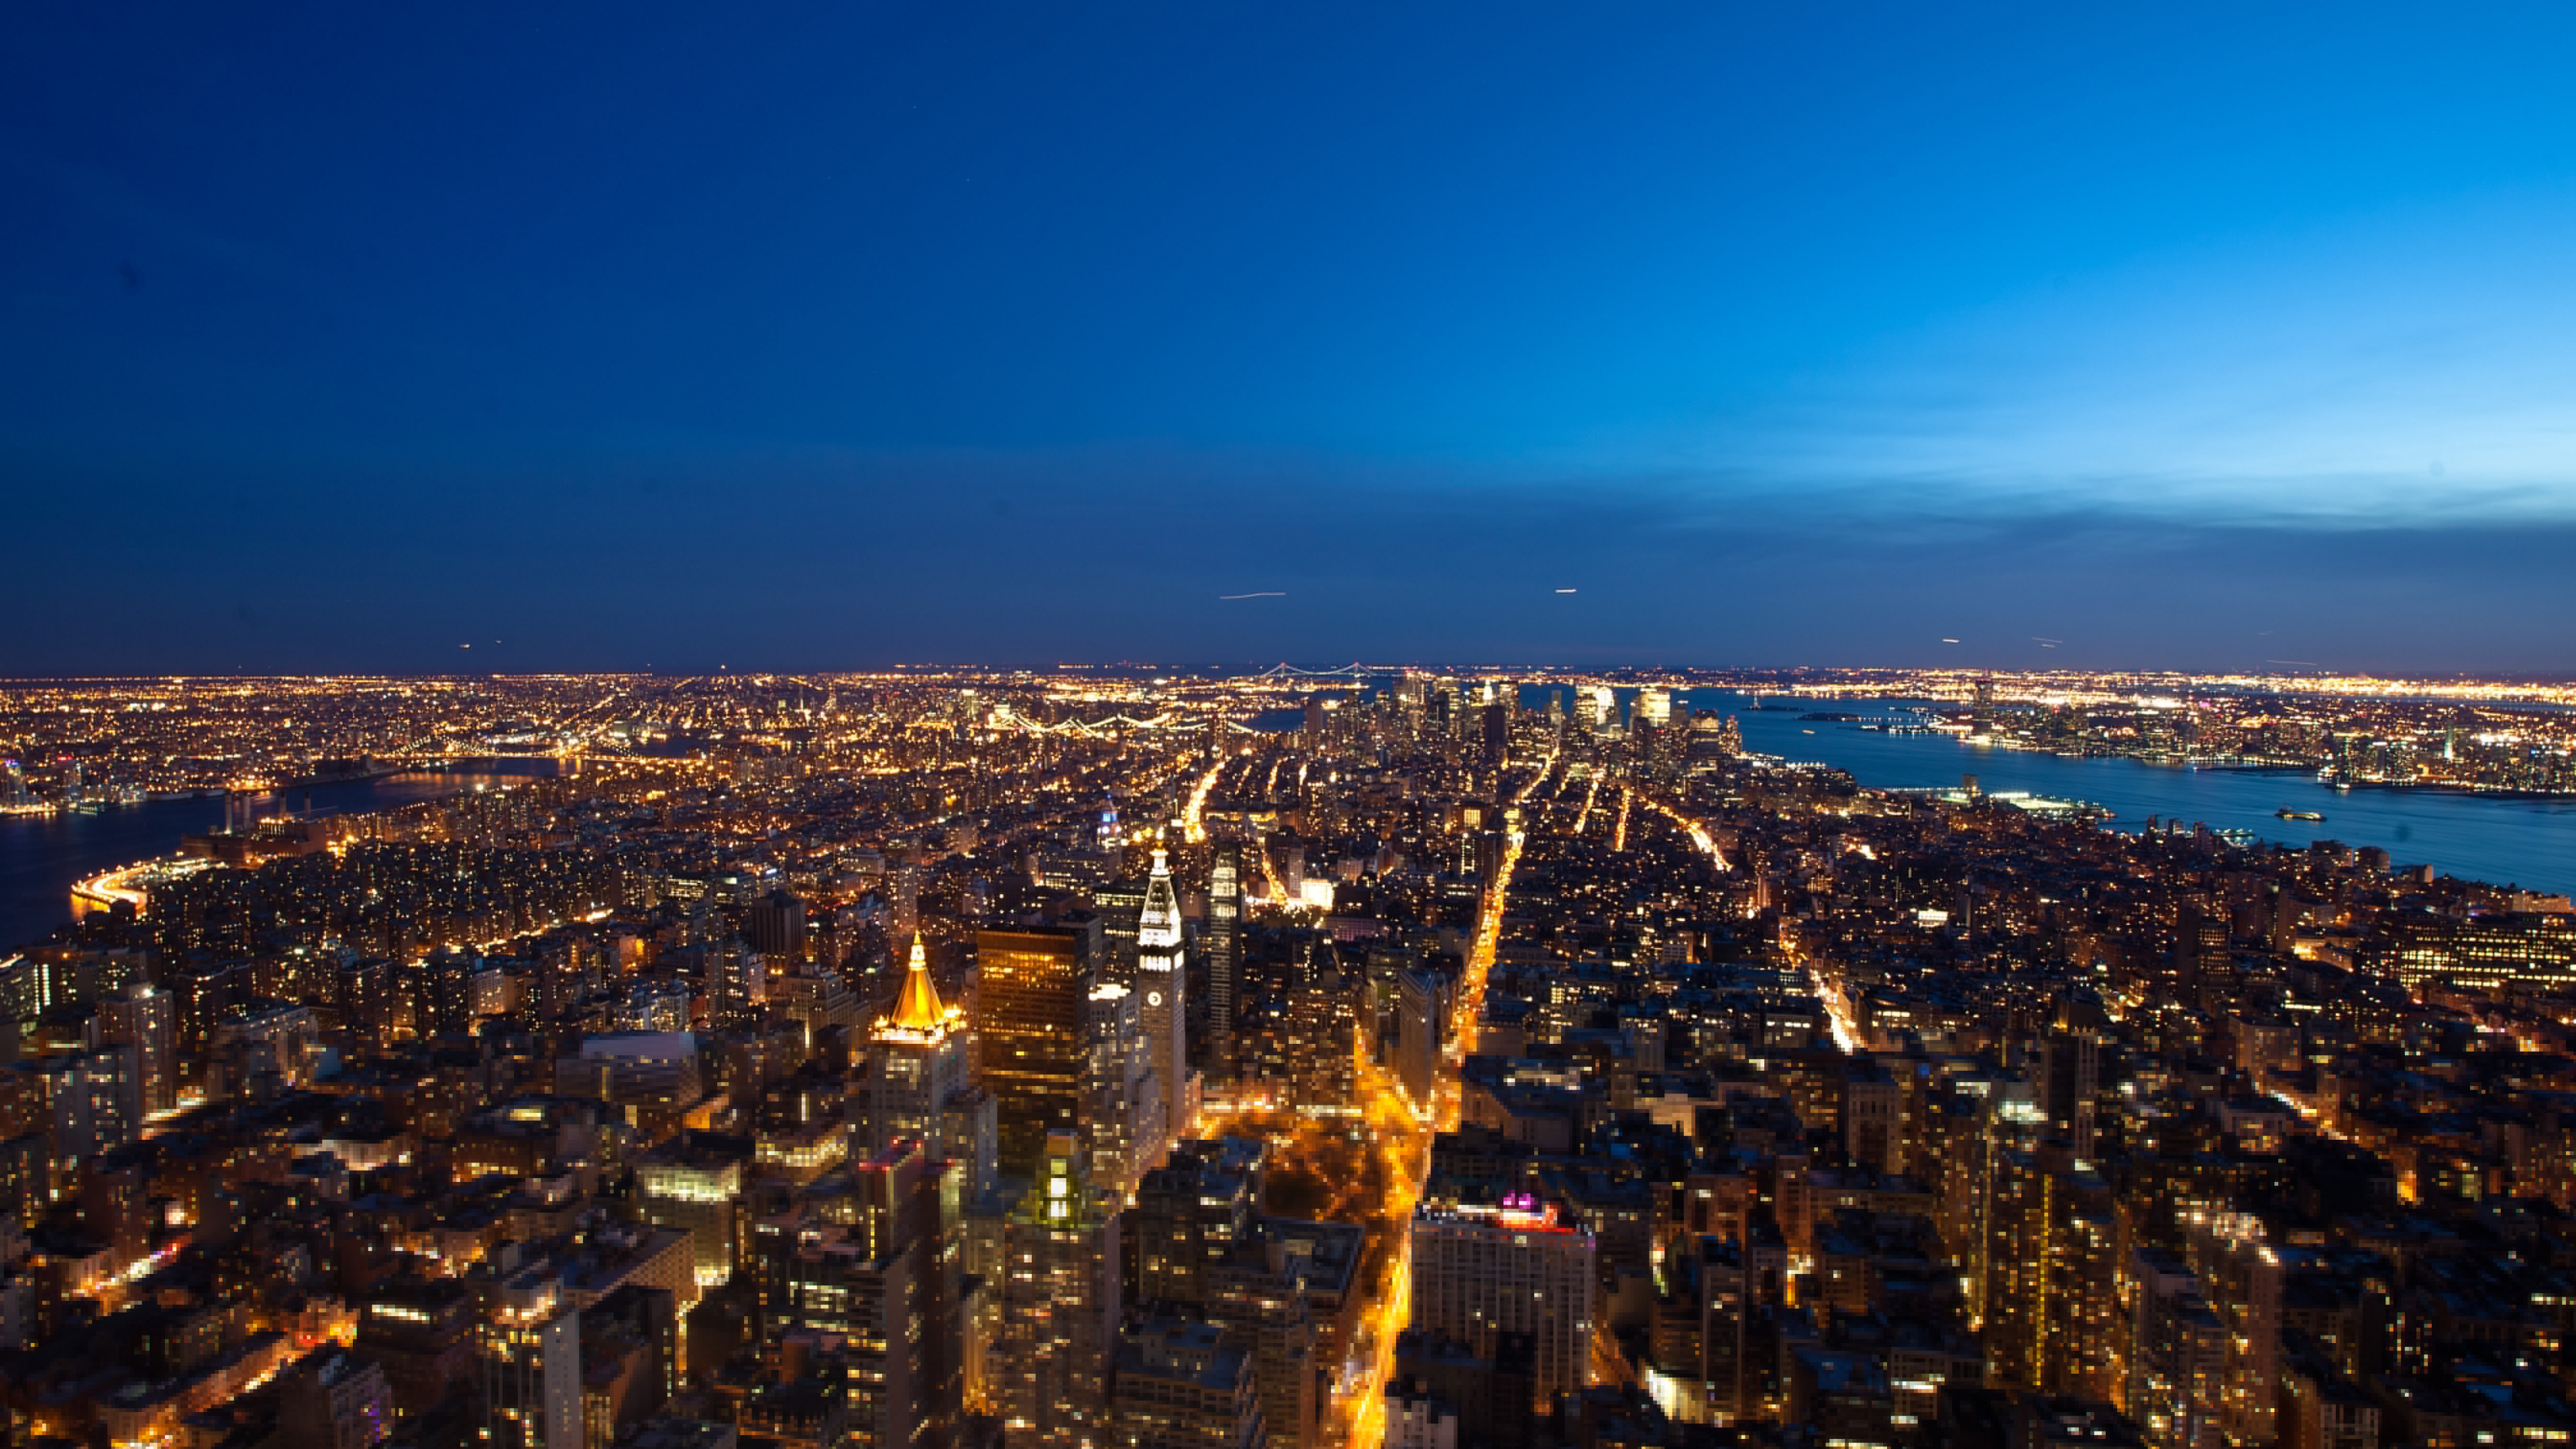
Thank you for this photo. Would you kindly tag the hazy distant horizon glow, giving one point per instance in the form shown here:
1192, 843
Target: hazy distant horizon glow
2402, 369
633, 337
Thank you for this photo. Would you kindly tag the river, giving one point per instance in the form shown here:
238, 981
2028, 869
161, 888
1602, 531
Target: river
2531, 843
41, 855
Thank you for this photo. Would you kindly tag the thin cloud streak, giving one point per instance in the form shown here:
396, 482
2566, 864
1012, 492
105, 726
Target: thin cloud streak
831, 559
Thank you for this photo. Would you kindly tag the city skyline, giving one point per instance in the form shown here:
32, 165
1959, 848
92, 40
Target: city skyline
1067, 1062
1452, 726
2195, 340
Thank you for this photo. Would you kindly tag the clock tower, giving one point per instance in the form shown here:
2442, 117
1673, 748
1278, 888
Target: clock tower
1160, 982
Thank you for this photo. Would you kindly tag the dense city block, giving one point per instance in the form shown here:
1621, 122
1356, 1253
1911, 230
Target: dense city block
1110, 1060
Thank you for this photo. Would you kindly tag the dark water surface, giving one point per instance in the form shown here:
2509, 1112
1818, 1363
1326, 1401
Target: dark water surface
41, 855
2531, 843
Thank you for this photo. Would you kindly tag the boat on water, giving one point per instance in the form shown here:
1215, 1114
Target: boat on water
2286, 813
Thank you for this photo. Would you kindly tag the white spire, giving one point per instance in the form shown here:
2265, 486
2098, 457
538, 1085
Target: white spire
1158, 925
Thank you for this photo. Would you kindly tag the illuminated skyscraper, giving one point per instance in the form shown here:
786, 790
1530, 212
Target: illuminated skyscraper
147, 1017
2047, 1274
1036, 988
529, 1352
1203, 1245
565, 976
1318, 1034
903, 899
1411, 692
1420, 996
920, 1085
877, 1266
2175, 1360
1596, 706
2069, 1077
1321, 710
1120, 904
1161, 982
1122, 1099
775, 925
1440, 707
1204, 1202
1223, 944
1060, 1308
817, 996
1482, 1270
737, 983
695, 1183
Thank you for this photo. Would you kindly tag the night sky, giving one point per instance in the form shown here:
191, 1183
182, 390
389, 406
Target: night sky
334, 337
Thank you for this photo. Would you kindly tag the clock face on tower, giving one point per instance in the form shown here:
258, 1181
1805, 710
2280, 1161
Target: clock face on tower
1153, 998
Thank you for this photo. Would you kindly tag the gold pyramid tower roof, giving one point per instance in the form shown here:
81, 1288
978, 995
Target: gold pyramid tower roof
918, 1008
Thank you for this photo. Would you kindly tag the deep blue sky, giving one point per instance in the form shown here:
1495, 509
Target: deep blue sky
333, 337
